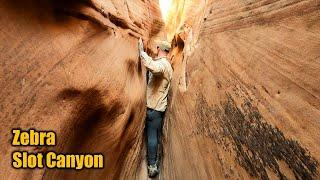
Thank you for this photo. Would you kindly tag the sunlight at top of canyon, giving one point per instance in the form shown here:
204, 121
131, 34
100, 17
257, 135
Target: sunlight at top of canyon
176, 13
165, 8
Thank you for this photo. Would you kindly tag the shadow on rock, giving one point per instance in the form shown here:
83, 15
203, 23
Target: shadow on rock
43, 10
89, 114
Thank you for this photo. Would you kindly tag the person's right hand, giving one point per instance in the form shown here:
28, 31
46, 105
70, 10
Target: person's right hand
140, 45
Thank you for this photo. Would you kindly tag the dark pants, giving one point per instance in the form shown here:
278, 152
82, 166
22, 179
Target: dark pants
154, 121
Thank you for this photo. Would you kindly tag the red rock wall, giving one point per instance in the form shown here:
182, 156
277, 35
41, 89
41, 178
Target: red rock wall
68, 67
247, 105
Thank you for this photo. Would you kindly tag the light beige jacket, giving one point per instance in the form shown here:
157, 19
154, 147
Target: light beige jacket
159, 81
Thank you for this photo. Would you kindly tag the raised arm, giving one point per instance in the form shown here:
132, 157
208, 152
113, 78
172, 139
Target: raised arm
153, 66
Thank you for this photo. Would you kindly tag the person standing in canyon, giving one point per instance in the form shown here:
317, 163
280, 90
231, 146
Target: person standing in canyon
159, 79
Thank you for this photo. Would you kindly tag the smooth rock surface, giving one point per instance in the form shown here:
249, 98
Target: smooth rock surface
67, 68
247, 103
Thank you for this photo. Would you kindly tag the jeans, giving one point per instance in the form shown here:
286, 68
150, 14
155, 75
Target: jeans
154, 122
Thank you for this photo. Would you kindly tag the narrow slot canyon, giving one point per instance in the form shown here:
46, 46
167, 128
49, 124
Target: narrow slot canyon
244, 101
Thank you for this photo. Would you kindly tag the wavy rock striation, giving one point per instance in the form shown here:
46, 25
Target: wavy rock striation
245, 102
72, 67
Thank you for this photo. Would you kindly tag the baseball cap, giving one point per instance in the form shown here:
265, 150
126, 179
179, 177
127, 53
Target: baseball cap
164, 45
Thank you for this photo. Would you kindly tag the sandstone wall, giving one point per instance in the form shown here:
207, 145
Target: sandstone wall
247, 104
72, 67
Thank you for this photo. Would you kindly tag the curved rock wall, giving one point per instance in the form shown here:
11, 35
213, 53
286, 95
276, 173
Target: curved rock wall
246, 105
73, 67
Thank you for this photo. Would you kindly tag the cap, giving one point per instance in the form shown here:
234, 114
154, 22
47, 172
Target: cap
164, 45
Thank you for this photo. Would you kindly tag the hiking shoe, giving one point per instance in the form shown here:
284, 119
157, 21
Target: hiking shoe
153, 170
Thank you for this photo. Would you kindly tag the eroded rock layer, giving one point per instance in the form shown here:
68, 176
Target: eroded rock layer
247, 103
72, 67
